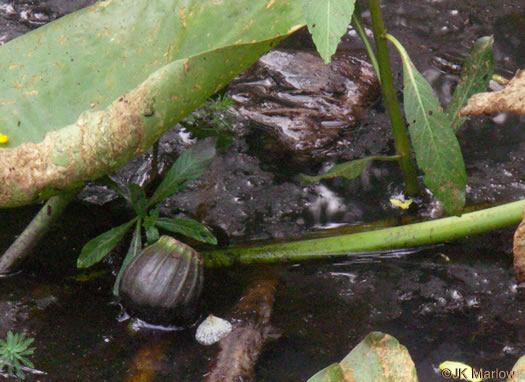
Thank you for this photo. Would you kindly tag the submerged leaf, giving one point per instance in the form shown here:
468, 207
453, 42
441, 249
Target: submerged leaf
328, 21
475, 77
349, 170
96, 249
437, 149
188, 167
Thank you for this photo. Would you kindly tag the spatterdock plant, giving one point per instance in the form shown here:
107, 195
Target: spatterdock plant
188, 167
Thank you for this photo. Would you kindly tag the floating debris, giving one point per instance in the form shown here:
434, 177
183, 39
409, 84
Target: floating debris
403, 204
212, 330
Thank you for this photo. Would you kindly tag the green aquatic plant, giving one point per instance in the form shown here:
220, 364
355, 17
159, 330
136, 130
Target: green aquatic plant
190, 165
13, 352
209, 121
405, 236
176, 80
431, 130
156, 65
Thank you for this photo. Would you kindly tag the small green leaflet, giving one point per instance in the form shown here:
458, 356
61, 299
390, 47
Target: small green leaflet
348, 170
187, 227
152, 233
13, 352
188, 167
134, 249
96, 249
328, 21
137, 199
475, 77
437, 149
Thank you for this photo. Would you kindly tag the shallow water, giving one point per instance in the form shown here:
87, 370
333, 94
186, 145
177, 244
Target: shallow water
467, 309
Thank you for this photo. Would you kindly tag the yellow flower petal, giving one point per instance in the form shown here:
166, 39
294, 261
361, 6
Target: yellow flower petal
401, 204
3, 139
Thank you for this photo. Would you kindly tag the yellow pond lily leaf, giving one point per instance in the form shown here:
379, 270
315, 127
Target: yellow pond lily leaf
3, 139
458, 370
401, 204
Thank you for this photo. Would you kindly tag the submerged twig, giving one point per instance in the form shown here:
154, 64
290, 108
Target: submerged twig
38, 227
241, 348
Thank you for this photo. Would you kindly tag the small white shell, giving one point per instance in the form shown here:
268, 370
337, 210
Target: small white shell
212, 330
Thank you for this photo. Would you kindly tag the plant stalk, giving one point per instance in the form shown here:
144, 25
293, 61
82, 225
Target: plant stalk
407, 236
155, 162
38, 227
357, 23
399, 131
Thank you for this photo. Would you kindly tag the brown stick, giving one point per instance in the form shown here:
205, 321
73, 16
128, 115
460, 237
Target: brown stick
241, 348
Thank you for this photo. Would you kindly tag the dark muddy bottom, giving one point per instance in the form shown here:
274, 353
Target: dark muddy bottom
458, 301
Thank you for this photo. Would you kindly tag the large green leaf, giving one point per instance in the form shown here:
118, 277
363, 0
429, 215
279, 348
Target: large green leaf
437, 149
475, 77
81, 96
328, 21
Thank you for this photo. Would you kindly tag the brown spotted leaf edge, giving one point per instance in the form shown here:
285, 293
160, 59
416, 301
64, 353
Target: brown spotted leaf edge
511, 99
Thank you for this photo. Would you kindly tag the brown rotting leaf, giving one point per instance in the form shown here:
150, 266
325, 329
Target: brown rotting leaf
519, 251
511, 99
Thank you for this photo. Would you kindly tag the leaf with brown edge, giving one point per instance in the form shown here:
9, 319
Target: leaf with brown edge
379, 357
519, 251
70, 119
511, 99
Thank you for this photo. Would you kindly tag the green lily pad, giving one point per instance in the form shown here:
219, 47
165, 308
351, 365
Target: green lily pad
379, 357
517, 374
81, 96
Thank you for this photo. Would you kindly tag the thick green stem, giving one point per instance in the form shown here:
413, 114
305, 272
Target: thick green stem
411, 235
399, 130
38, 227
